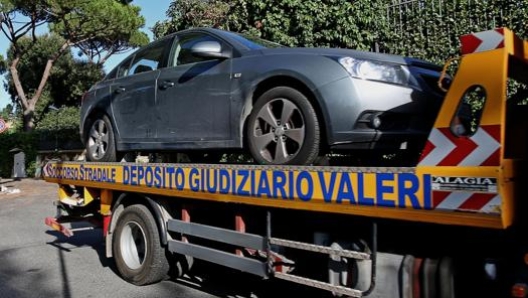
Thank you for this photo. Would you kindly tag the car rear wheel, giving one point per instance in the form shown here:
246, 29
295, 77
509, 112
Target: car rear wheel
283, 128
100, 141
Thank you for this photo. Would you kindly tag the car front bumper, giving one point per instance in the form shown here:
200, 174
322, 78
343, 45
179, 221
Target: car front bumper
405, 114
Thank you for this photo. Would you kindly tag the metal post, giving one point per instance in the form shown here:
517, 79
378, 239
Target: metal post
374, 251
268, 242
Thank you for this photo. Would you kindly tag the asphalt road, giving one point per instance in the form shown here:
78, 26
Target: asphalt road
38, 262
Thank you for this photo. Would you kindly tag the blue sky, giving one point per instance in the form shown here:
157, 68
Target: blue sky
152, 11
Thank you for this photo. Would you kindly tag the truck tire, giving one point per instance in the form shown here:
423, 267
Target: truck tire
138, 254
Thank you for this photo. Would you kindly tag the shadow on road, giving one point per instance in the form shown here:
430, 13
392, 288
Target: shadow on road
205, 277
229, 283
81, 239
86, 238
12, 268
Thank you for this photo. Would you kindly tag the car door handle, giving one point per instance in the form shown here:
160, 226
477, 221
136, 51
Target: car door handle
120, 90
166, 84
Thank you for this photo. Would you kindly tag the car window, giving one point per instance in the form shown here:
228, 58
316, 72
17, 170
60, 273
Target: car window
122, 70
111, 75
182, 52
149, 58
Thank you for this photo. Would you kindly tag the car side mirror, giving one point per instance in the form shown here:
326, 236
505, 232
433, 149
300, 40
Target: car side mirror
209, 49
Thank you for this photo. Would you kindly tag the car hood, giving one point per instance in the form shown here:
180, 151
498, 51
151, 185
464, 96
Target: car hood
331, 52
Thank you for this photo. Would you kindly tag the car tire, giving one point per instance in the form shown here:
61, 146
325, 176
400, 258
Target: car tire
100, 140
138, 254
293, 142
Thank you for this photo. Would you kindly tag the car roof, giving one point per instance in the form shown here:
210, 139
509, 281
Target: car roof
223, 34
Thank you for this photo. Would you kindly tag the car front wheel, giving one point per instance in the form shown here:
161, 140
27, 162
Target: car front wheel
283, 128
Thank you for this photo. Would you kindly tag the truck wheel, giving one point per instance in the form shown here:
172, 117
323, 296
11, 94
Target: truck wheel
100, 141
139, 256
283, 128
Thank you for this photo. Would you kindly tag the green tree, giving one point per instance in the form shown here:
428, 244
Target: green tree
2, 64
431, 29
68, 80
328, 23
185, 14
312, 23
63, 119
99, 28
428, 29
7, 112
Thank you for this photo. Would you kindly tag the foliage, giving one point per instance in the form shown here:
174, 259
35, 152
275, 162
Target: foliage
56, 130
23, 140
424, 29
330, 23
3, 65
7, 112
59, 129
31, 168
69, 78
185, 14
99, 28
63, 119
313, 23
431, 29
70, 81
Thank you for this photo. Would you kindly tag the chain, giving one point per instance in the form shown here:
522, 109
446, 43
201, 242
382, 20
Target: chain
319, 284
321, 249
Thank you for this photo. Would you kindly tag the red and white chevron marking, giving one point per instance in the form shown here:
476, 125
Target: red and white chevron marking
443, 148
482, 41
467, 201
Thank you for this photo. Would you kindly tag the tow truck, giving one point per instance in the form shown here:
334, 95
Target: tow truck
453, 225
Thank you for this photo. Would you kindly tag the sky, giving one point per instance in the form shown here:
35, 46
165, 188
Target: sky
152, 11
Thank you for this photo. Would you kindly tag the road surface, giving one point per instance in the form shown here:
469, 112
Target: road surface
38, 262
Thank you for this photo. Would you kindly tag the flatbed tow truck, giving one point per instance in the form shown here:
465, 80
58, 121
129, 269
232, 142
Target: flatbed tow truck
453, 225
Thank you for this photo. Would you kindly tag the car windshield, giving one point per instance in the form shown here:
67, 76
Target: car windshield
252, 42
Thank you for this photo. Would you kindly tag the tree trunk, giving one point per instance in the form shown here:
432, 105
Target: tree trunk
28, 106
29, 119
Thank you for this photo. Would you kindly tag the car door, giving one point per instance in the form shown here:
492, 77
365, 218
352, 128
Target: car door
194, 96
134, 93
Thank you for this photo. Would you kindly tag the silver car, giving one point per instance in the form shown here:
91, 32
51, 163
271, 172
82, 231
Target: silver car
208, 90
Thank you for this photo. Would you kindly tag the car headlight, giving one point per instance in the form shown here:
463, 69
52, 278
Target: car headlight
376, 71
